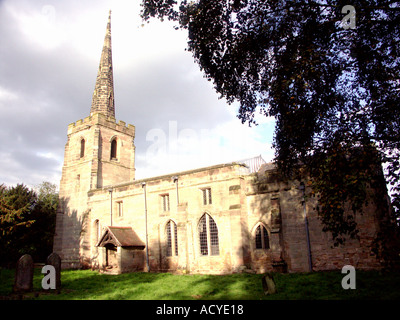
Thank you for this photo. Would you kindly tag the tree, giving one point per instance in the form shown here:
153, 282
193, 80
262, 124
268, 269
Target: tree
47, 195
16, 204
334, 90
27, 222
44, 213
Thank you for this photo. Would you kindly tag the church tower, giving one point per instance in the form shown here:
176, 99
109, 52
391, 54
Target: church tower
99, 153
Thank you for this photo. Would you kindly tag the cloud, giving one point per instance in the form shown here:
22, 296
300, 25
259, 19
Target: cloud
179, 148
48, 65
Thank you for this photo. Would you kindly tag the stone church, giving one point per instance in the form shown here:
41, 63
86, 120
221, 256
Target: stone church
226, 218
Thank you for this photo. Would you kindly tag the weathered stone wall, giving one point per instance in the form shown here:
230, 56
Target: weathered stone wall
267, 187
83, 172
98, 189
240, 203
356, 252
225, 209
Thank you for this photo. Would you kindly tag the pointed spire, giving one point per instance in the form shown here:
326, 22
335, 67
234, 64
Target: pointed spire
103, 95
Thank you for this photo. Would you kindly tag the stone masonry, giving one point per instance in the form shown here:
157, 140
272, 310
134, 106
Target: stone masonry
225, 218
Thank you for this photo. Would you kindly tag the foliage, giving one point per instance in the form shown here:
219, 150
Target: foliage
44, 213
47, 195
334, 92
27, 222
16, 204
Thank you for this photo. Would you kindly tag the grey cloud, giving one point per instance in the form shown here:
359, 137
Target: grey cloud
31, 161
54, 87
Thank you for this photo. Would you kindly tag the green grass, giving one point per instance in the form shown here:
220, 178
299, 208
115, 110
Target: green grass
92, 285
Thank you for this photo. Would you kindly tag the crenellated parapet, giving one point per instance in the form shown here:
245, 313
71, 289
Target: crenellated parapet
103, 120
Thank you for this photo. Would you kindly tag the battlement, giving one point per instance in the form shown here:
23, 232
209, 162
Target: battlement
101, 119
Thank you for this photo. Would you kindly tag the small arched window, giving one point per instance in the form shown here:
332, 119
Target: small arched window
172, 238
208, 236
114, 149
82, 148
261, 237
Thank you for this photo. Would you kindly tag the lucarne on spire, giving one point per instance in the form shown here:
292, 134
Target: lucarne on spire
103, 95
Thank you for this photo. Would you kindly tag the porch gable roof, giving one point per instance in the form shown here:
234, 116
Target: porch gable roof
120, 237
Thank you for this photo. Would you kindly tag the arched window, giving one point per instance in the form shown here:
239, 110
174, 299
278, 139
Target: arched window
114, 149
172, 238
261, 237
82, 148
208, 236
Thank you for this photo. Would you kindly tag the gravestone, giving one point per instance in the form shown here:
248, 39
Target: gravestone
24, 274
268, 284
54, 260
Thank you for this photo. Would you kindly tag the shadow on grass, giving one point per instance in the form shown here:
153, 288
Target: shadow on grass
92, 285
162, 286
371, 285
223, 287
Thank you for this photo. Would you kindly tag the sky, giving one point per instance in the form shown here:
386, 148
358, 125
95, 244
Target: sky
49, 57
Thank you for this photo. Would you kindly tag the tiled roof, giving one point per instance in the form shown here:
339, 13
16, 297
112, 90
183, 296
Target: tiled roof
120, 237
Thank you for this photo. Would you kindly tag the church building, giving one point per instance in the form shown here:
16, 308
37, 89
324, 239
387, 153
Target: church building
232, 217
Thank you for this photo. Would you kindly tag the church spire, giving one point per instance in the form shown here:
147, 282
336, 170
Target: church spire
103, 95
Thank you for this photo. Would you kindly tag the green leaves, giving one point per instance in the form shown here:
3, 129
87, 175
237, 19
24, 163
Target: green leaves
328, 88
343, 177
27, 221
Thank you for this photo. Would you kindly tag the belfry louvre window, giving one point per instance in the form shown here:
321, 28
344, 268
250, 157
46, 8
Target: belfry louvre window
82, 148
261, 238
165, 202
172, 238
207, 196
114, 149
208, 236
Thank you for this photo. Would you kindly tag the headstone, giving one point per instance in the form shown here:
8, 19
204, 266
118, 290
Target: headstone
24, 274
54, 260
268, 284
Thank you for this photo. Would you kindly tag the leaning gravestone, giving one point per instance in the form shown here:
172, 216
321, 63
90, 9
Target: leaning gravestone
24, 274
268, 284
54, 260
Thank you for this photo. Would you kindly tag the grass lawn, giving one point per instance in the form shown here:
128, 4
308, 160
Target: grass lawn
92, 285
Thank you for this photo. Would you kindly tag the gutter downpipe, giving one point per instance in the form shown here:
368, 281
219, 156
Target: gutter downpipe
175, 180
111, 192
145, 218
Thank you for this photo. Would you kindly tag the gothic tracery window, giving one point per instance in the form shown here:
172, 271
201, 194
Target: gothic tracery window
208, 236
172, 238
261, 237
